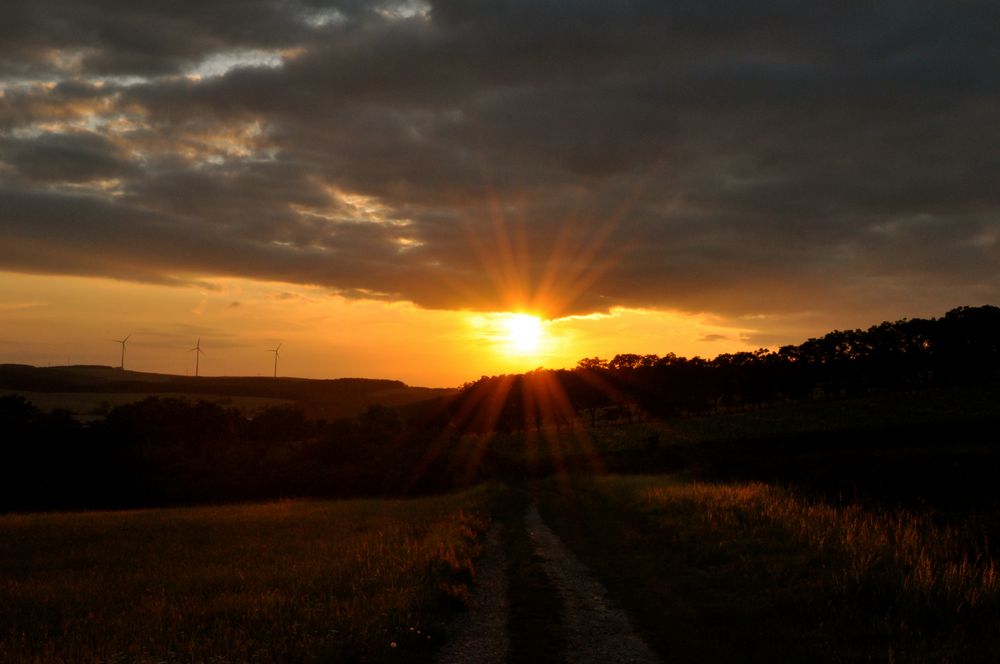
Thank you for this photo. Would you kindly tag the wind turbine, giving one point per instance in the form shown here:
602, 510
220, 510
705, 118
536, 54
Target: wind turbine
122, 342
197, 356
275, 351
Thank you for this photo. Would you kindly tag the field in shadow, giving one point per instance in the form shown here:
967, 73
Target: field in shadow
820, 530
749, 572
290, 581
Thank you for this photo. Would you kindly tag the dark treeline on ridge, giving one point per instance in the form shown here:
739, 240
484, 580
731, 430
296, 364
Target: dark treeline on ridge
166, 451
170, 451
962, 346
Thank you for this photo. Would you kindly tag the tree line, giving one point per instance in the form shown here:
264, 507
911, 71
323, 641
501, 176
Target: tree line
962, 346
161, 451
168, 451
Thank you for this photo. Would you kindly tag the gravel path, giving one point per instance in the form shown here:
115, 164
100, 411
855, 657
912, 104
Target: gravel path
481, 633
596, 631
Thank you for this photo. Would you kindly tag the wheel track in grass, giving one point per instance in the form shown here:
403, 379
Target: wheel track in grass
590, 627
481, 634
596, 631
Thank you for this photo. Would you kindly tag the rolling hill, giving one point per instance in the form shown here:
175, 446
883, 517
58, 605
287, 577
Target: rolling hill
75, 387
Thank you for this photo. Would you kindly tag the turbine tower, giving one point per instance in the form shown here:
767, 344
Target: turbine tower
275, 351
197, 355
122, 342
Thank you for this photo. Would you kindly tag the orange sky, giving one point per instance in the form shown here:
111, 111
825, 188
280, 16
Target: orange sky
376, 185
58, 320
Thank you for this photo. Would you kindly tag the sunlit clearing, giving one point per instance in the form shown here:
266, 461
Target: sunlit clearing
523, 334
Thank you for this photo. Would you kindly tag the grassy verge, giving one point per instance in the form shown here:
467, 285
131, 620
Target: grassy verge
751, 573
279, 582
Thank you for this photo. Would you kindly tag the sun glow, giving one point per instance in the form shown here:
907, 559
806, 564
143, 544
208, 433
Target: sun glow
522, 334
70, 320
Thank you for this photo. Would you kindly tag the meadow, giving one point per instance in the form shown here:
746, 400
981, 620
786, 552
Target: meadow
877, 410
752, 572
850, 529
91, 406
287, 581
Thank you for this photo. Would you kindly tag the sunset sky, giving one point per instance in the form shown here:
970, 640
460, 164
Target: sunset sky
378, 186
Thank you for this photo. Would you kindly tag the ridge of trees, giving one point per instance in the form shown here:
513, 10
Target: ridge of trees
161, 451
169, 451
961, 346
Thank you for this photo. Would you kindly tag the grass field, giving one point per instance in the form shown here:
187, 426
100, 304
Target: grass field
729, 568
749, 572
90, 406
877, 410
294, 581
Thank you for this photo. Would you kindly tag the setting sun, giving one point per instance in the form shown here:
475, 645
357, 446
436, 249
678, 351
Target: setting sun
334, 291
523, 334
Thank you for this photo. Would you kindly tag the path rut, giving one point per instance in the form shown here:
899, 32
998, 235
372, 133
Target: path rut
597, 632
481, 634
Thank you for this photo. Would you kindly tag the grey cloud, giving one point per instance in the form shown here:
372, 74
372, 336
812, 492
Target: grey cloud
114, 37
732, 157
68, 158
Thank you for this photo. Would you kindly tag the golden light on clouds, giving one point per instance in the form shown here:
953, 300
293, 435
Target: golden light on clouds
298, 157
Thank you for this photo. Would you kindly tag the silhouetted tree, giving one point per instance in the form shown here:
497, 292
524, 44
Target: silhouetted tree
963, 345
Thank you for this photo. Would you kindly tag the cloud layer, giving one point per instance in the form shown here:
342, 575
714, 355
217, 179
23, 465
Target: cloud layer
739, 158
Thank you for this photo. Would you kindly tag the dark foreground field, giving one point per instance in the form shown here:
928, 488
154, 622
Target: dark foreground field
703, 572
834, 531
750, 572
293, 581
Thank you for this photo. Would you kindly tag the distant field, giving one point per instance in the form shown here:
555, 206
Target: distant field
295, 581
713, 572
934, 448
875, 411
880, 410
87, 406
85, 390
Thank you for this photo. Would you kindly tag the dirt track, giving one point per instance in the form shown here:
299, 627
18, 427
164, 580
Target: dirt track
595, 630
481, 634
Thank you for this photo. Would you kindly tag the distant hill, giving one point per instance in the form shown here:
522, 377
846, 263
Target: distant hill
329, 398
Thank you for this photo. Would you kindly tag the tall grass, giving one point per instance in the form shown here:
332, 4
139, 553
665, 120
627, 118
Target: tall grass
294, 581
889, 581
921, 564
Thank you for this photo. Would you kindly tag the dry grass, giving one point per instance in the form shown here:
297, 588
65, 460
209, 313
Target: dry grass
294, 581
91, 406
885, 584
924, 565
752, 572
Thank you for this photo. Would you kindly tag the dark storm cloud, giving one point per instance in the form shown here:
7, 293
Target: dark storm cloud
68, 157
127, 38
718, 156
